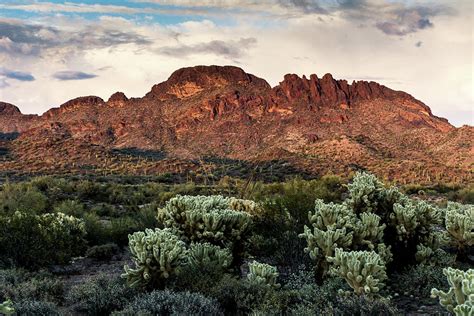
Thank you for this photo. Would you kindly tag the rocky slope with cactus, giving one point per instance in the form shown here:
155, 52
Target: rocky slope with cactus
317, 125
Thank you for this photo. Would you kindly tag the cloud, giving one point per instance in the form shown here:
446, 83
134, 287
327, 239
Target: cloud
72, 75
16, 75
418, 44
408, 20
17, 37
230, 49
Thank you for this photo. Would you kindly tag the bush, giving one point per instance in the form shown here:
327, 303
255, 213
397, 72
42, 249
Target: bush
103, 252
361, 305
22, 197
35, 308
34, 241
70, 207
421, 278
171, 303
100, 295
19, 285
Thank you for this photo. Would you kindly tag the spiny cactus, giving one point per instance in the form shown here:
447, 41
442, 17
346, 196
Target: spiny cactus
209, 256
460, 297
157, 254
459, 221
364, 271
374, 218
207, 218
6, 308
262, 273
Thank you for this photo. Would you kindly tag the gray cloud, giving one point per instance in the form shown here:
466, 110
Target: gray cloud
16, 75
28, 39
307, 6
73, 75
418, 44
230, 49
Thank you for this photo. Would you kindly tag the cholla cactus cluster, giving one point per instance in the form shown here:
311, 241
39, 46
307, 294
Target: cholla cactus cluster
460, 297
373, 219
209, 256
210, 225
6, 308
157, 254
460, 225
264, 274
364, 271
213, 219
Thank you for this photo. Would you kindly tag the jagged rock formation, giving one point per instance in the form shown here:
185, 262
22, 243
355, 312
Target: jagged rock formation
319, 125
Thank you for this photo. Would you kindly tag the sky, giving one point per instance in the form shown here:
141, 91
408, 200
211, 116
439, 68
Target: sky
52, 51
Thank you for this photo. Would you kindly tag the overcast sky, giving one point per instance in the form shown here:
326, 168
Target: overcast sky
52, 51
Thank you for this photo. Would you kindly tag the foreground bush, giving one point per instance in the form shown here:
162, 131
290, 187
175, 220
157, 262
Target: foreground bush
100, 295
171, 303
36, 308
460, 297
34, 241
157, 255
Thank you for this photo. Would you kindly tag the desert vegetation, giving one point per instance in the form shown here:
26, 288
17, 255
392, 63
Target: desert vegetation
115, 246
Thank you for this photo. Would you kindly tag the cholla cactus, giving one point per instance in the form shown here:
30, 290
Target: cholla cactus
364, 271
206, 218
460, 225
369, 231
365, 190
157, 254
6, 308
209, 256
460, 297
262, 273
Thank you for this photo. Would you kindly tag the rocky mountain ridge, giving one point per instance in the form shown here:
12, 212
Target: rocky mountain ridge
317, 125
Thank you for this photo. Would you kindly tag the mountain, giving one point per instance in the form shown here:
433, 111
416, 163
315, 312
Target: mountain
314, 125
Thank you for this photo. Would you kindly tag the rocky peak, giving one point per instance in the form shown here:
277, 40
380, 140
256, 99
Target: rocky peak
187, 82
77, 103
118, 99
9, 109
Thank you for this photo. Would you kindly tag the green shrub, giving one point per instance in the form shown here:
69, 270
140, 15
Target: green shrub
22, 197
100, 295
361, 305
103, 252
34, 241
70, 207
36, 308
156, 254
171, 303
421, 278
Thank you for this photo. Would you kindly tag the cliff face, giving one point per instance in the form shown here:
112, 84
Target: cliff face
317, 124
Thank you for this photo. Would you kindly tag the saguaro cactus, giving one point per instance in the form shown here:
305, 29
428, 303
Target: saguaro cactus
460, 297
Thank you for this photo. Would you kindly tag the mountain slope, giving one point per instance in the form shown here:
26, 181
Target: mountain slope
319, 125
